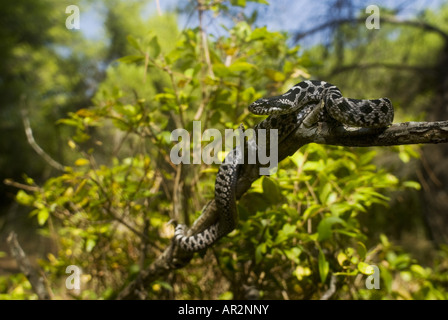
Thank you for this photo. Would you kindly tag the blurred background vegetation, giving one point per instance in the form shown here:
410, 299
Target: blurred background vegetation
92, 184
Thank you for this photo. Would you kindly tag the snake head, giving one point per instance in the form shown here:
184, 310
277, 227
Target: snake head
260, 106
274, 105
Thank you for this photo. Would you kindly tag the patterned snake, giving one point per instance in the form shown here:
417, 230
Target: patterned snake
304, 101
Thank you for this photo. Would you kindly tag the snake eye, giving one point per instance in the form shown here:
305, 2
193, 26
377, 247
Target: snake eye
259, 106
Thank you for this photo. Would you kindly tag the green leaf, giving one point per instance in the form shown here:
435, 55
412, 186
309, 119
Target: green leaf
288, 229
271, 190
227, 295
165, 285
248, 94
324, 227
165, 136
71, 122
313, 166
275, 75
285, 232
384, 240
362, 250
155, 47
412, 184
42, 216
133, 42
324, 192
189, 73
241, 66
81, 162
259, 33
293, 254
90, 244
420, 271
365, 268
259, 252
338, 209
387, 279
133, 268
165, 97
311, 211
404, 156
119, 124
301, 272
220, 70
24, 198
324, 266
342, 257
239, 3
260, 1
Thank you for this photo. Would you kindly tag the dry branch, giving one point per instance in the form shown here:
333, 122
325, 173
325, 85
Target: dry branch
35, 146
33, 276
384, 19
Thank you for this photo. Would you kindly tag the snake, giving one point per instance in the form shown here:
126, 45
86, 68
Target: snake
303, 104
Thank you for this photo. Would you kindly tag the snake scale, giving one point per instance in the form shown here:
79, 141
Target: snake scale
286, 112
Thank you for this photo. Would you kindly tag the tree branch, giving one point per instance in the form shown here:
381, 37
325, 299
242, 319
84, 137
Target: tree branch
396, 134
390, 66
36, 147
33, 276
386, 19
331, 290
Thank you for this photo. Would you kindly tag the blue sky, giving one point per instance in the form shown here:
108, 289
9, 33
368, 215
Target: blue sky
285, 15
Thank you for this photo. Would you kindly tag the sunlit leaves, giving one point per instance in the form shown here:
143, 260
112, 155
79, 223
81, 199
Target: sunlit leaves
310, 218
301, 272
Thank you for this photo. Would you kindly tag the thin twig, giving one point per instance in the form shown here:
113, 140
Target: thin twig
18, 185
176, 193
331, 290
391, 20
35, 146
204, 39
205, 55
159, 10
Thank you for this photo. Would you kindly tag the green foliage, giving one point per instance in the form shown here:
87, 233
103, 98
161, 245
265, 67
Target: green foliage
305, 228
16, 287
109, 211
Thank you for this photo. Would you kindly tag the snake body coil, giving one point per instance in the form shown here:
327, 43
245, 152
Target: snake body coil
286, 112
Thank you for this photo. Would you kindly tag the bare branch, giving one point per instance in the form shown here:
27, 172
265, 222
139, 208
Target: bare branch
386, 19
18, 185
331, 290
159, 10
33, 276
397, 134
391, 66
35, 146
